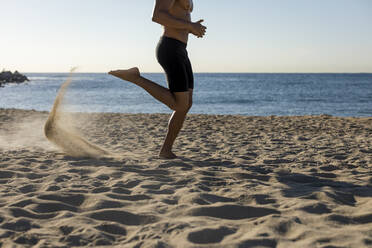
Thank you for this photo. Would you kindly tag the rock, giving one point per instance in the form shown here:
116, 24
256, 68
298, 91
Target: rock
9, 77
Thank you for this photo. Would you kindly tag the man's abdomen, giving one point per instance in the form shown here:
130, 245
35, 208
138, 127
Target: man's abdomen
178, 34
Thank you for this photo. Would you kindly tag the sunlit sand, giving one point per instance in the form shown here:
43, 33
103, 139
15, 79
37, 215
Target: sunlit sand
239, 182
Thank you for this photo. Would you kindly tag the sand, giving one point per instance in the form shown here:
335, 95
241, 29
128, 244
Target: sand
239, 182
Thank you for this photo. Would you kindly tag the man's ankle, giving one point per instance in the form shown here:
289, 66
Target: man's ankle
138, 80
166, 149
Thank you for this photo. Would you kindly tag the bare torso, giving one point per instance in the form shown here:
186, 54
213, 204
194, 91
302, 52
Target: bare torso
181, 9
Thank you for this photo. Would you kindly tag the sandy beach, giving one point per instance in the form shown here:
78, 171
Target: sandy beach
239, 181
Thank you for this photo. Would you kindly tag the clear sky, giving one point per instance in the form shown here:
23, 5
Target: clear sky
242, 35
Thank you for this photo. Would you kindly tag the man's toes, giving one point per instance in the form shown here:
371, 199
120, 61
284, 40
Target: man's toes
114, 73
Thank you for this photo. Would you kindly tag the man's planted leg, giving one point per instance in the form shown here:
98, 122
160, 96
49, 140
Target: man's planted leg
174, 127
175, 124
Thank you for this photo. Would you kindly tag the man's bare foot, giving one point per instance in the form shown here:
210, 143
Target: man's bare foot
167, 155
131, 75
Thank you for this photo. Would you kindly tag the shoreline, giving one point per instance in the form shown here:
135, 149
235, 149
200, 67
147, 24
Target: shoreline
239, 181
196, 114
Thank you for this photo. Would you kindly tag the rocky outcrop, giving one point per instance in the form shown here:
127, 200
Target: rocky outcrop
9, 77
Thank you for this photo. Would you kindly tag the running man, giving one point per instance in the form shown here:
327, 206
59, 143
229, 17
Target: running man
171, 53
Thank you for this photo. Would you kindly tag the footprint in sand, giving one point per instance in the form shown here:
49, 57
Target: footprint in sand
209, 235
21, 225
267, 243
318, 208
123, 217
112, 229
27, 189
52, 207
20, 212
22, 203
104, 204
67, 199
6, 174
348, 220
233, 212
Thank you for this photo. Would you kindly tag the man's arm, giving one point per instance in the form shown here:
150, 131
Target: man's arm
162, 15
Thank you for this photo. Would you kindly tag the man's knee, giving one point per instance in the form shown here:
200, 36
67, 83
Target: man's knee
182, 107
182, 102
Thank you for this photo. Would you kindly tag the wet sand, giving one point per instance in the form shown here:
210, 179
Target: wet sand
239, 181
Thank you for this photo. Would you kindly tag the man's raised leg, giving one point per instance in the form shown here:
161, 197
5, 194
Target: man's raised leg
159, 92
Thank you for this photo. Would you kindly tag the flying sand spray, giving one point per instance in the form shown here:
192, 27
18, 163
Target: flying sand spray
64, 137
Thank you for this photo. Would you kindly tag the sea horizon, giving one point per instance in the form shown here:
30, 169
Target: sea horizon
67, 72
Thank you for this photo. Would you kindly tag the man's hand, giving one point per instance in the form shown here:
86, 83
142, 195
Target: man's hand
197, 29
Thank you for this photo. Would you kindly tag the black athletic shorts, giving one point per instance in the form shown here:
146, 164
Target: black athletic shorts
172, 56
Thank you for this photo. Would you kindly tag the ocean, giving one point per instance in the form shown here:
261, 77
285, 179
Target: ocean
253, 94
